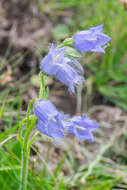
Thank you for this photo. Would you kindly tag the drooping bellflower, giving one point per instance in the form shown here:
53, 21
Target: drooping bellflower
92, 40
68, 71
49, 120
82, 127
54, 124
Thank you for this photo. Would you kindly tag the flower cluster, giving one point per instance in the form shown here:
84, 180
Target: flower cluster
55, 124
67, 70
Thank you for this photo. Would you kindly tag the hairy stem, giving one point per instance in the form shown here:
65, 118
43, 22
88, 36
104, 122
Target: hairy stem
26, 149
24, 171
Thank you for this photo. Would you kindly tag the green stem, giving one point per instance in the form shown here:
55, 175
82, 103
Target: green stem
66, 42
25, 157
26, 149
43, 91
24, 171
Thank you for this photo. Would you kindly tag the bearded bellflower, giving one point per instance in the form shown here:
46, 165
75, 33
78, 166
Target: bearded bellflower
92, 40
66, 70
49, 120
82, 127
54, 124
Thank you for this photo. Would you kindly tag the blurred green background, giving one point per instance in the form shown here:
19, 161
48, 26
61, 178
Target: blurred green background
26, 30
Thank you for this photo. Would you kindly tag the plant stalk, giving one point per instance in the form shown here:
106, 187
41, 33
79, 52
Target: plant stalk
24, 171
26, 149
